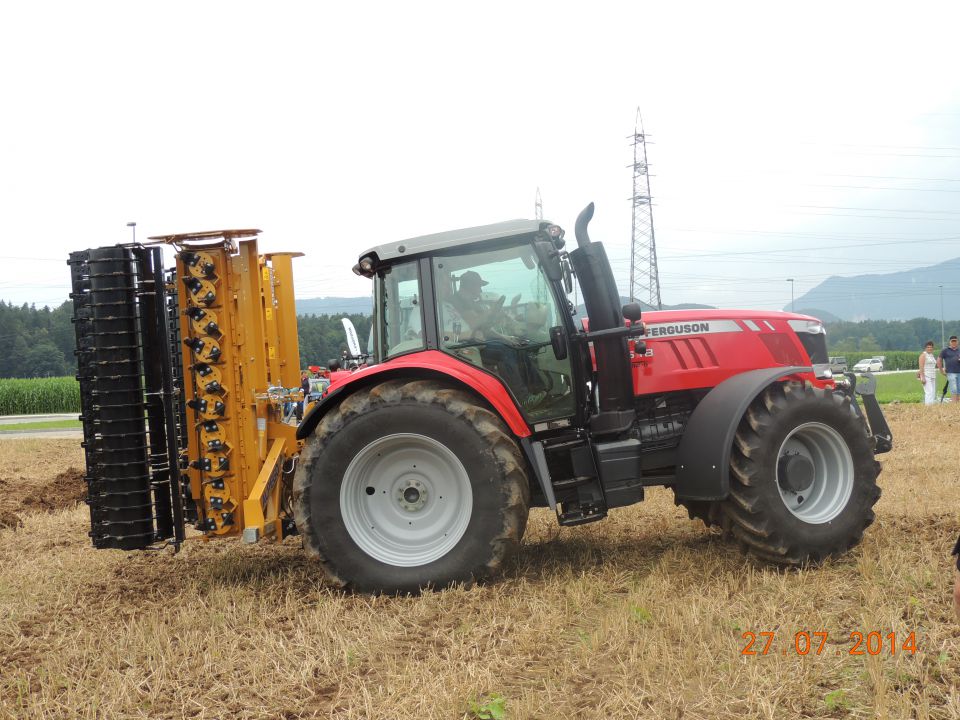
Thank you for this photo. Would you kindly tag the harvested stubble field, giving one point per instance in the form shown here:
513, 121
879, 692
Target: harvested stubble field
641, 615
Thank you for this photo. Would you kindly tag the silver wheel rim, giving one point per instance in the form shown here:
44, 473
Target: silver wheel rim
406, 499
833, 473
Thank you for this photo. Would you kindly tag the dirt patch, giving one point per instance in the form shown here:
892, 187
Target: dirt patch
64, 491
9, 519
39, 476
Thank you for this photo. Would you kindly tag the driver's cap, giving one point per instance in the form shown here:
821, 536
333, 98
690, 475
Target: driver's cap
472, 279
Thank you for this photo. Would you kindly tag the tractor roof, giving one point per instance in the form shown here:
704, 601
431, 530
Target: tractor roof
454, 238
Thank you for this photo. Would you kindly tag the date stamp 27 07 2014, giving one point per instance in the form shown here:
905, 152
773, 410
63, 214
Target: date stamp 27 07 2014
815, 642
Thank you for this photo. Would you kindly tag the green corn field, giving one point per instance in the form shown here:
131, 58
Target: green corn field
39, 395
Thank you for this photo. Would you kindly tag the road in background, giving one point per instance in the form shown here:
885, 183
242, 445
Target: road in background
17, 419
47, 434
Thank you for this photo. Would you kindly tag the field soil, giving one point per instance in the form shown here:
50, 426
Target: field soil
39, 475
643, 615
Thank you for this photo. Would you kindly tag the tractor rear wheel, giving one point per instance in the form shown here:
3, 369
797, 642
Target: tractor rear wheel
802, 476
410, 484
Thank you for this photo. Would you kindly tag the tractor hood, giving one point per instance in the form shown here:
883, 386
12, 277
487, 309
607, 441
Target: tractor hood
687, 349
666, 322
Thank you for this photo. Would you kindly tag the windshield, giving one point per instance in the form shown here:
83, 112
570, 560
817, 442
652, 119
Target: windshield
495, 310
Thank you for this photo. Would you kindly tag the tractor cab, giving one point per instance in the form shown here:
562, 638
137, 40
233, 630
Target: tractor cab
496, 297
492, 297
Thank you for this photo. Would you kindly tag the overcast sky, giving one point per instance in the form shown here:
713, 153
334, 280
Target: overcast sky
801, 140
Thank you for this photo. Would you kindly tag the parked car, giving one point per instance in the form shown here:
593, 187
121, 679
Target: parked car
874, 364
838, 364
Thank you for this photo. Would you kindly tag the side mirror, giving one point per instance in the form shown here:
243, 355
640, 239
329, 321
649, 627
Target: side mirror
559, 342
632, 312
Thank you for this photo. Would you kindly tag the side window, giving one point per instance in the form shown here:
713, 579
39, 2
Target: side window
401, 318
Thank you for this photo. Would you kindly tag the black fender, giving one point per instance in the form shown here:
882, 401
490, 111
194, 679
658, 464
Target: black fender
703, 457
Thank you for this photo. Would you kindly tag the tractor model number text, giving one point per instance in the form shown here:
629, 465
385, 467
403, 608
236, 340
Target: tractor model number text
806, 642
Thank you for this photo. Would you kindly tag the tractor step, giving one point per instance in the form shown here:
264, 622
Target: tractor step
582, 515
573, 482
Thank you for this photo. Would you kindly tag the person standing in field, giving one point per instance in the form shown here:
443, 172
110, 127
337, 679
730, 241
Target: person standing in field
928, 374
949, 364
305, 390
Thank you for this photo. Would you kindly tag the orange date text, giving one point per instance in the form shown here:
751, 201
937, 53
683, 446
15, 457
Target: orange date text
815, 642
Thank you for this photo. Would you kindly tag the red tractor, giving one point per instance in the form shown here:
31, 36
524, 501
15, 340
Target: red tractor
487, 397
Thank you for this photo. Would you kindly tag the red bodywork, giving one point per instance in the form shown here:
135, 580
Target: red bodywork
717, 345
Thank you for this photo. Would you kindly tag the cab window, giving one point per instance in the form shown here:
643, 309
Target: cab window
400, 313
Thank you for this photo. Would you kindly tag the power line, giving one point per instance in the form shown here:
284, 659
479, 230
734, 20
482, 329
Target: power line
891, 177
770, 251
902, 147
822, 236
874, 187
870, 209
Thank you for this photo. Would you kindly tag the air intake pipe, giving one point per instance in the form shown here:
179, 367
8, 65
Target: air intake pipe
602, 300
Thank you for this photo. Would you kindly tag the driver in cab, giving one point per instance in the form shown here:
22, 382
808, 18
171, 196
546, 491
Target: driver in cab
477, 315
490, 322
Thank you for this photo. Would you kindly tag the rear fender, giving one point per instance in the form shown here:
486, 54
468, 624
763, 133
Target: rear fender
429, 364
703, 457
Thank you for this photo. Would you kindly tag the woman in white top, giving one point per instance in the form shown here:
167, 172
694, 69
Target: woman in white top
928, 374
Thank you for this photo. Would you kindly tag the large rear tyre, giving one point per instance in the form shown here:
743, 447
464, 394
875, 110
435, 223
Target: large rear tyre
410, 484
802, 476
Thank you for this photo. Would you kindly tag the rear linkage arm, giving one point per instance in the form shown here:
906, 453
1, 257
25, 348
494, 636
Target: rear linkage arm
882, 435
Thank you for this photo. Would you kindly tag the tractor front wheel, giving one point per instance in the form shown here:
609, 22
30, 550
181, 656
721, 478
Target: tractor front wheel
408, 485
802, 476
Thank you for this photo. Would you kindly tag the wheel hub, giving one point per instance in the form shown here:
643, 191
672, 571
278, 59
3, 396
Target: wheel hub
815, 472
795, 472
411, 495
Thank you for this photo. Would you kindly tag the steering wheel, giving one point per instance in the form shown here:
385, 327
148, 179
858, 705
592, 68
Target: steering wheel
512, 347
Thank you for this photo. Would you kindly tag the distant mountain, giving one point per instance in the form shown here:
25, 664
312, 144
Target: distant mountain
900, 295
335, 306
582, 310
822, 315
687, 306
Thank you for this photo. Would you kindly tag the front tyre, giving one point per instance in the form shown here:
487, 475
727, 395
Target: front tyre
802, 476
410, 484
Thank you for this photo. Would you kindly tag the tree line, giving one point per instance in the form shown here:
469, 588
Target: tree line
39, 342
322, 337
870, 336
